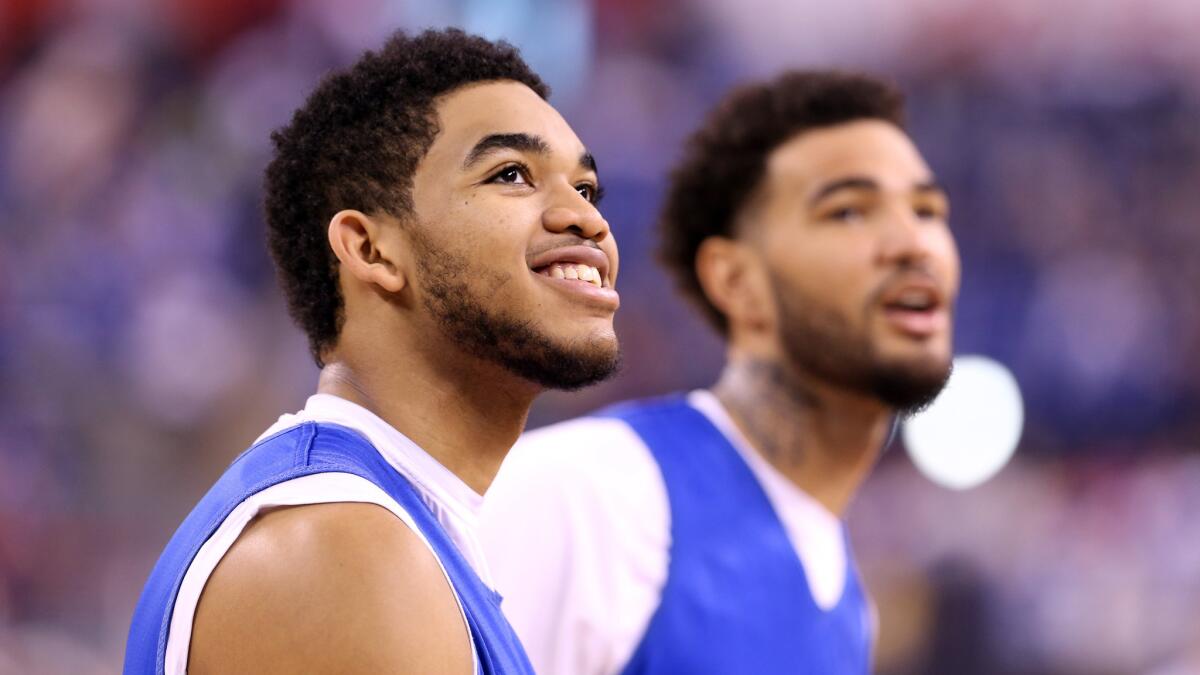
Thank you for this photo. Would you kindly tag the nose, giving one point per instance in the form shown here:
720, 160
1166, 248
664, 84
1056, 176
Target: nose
904, 240
579, 218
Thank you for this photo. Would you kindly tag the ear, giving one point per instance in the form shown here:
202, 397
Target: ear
368, 249
733, 277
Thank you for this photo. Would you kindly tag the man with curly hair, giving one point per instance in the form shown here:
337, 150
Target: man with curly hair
434, 225
702, 532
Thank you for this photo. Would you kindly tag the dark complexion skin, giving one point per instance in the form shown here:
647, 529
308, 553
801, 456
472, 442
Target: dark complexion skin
503, 193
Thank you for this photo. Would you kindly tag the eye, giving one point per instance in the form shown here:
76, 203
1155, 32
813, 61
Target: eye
929, 212
590, 192
846, 214
513, 174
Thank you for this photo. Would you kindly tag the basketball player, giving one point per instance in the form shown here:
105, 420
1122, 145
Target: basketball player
702, 532
434, 225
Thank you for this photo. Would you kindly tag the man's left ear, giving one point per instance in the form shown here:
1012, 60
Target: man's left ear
368, 249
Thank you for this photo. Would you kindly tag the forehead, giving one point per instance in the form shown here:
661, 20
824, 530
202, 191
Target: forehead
872, 149
470, 113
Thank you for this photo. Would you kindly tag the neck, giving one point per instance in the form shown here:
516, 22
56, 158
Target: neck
465, 415
823, 439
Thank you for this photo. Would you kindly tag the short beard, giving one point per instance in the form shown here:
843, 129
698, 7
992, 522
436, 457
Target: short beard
514, 344
822, 343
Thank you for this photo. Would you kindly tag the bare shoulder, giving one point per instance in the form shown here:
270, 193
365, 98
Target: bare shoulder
322, 588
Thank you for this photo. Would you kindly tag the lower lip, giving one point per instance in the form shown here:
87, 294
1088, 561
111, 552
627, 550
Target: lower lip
604, 298
917, 324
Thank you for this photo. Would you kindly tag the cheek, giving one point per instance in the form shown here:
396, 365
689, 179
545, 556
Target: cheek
945, 253
614, 257
831, 262
493, 238
833, 278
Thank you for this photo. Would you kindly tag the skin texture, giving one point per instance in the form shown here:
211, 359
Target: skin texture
846, 217
311, 589
353, 572
394, 355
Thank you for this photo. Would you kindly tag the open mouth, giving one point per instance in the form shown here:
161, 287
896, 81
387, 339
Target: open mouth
573, 271
913, 300
585, 264
916, 309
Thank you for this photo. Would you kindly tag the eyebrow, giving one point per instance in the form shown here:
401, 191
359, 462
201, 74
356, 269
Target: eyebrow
493, 142
861, 183
521, 143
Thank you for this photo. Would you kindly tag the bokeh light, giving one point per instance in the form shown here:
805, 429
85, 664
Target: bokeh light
972, 429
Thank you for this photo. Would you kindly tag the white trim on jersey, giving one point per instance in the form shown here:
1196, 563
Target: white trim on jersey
454, 505
815, 532
577, 529
320, 488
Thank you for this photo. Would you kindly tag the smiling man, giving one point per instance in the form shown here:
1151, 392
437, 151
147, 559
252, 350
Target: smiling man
434, 224
702, 533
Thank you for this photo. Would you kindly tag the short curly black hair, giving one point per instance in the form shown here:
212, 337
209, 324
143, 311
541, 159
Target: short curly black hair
355, 144
725, 159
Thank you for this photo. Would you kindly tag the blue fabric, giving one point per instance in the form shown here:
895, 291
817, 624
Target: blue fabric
736, 599
303, 450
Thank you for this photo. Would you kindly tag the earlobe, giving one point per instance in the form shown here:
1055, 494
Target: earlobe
358, 241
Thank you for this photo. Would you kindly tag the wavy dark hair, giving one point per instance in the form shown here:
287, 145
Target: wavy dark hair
726, 158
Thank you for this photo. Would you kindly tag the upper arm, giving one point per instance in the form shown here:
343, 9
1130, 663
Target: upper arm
576, 531
322, 588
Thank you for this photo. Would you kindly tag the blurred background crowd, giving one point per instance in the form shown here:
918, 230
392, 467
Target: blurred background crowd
143, 342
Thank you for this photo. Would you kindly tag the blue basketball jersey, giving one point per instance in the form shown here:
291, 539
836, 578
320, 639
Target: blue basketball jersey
307, 449
736, 598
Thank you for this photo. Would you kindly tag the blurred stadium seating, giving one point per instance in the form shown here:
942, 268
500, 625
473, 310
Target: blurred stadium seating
143, 343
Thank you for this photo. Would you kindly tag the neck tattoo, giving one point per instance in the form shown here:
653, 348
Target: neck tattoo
766, 399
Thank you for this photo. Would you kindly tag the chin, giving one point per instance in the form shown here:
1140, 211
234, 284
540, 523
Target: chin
910, 385
567, 365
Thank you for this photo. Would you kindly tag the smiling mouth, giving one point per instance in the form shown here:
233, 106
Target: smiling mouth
586, 264
573, 272
581, 273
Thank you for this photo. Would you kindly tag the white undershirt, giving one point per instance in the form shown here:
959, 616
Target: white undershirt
577, 529
454, 504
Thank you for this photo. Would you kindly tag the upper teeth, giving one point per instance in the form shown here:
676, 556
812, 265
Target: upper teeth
574, 271
915, 299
